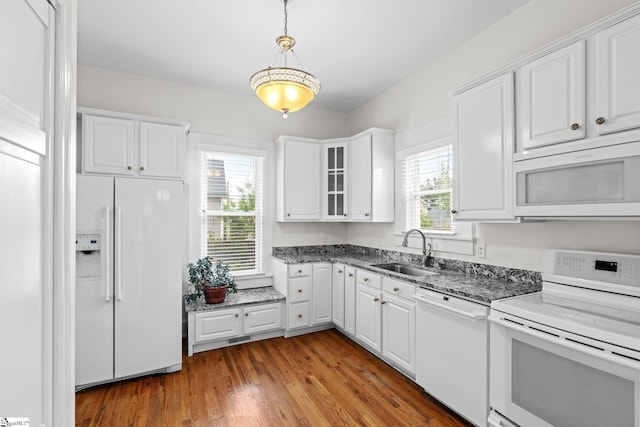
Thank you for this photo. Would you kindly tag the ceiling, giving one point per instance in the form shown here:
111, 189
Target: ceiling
356, 48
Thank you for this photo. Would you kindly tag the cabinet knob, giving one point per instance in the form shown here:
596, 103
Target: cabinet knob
245, 315
288, 214
454, 211
366, 279
350, 274
299, 291
376, 299
237, 315
345, 214
395, 289
299, 271
600, 120
383, 302
575, 126
339, 271
367, 214
129, 168
299, 316
141, 168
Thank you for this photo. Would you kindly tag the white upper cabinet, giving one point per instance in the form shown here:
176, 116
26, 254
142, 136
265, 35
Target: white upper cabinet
346, 179
483, 151
127, 145
552, 97
360, 178
371, 176
161, 150
335, 181
108, 145
298, 179
617, 106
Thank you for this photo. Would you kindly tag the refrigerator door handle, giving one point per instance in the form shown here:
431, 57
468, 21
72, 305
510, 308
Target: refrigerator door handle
105, 254
118, 253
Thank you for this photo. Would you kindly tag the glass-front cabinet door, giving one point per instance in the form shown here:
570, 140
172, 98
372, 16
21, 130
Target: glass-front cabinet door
335, 182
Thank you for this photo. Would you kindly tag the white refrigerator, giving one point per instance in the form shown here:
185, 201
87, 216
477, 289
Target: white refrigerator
129, 250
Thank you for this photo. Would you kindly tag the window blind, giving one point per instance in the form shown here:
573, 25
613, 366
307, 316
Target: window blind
231, 200
427, 178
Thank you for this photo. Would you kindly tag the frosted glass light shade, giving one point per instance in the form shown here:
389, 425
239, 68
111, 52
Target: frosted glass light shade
285, 89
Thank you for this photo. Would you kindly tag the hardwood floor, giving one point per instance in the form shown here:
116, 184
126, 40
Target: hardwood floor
319, 379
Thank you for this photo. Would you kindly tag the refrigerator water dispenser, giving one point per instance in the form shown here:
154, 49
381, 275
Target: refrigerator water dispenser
88, 256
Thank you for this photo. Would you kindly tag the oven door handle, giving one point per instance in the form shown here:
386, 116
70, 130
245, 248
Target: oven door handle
563, 342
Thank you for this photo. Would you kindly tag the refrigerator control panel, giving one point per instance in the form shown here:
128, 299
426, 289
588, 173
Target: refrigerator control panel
87, 242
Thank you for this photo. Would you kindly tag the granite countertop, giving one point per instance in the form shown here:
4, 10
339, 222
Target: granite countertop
478, 288
242, 297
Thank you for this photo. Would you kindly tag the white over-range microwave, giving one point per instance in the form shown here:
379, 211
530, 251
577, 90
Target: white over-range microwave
597, 182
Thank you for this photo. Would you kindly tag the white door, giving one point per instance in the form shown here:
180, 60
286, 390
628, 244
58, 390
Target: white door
618, 67
94, 281
302, 180
360, 178
108, 145
553, 97
483, 151
161, 148
337, 293
369, 317
26, 169
149, 239
398, 331
350, 300
321, 298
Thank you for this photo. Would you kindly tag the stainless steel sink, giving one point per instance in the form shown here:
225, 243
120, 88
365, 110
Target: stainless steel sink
405, 269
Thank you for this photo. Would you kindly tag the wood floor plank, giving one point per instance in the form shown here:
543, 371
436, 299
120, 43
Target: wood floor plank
319, 379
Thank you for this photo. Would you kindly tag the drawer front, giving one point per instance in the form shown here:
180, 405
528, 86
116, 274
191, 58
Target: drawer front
299, 289
219, 324
298, 315
299, 270
398, 288
263, 317
370, 279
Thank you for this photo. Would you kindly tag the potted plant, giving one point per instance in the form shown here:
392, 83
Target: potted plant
213, 280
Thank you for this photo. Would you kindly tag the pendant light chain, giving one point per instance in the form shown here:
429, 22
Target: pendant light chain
285, 18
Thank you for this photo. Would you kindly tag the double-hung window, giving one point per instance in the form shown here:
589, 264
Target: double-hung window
426, 199
231, 207
428, 182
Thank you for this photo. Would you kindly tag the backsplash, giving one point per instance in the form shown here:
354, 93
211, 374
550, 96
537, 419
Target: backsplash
485, 270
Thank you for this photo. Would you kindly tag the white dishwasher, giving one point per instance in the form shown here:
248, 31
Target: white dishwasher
452, 353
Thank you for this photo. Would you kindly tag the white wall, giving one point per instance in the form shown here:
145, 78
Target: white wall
218, 113
421, 98
425, 97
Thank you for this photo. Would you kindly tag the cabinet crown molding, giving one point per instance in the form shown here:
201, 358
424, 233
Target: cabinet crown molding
121, 115
580, 34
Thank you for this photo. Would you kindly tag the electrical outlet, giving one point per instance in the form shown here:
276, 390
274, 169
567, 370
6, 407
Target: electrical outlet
481, 250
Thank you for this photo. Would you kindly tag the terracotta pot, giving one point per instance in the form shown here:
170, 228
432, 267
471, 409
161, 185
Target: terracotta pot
215, 295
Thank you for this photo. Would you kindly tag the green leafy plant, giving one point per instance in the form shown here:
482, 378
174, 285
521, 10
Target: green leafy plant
205, 274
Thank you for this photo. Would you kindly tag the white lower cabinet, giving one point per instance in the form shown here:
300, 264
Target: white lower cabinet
263, 317
337, 295
309, 294
220, 327
399, 323
350, 300
218, 324
386, 318
368, 315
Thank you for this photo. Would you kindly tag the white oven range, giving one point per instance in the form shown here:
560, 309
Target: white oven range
570, 354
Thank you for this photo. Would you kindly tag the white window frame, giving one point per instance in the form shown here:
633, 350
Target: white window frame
199, 142
460, 238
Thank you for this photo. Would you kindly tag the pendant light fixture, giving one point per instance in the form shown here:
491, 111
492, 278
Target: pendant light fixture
281, 87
